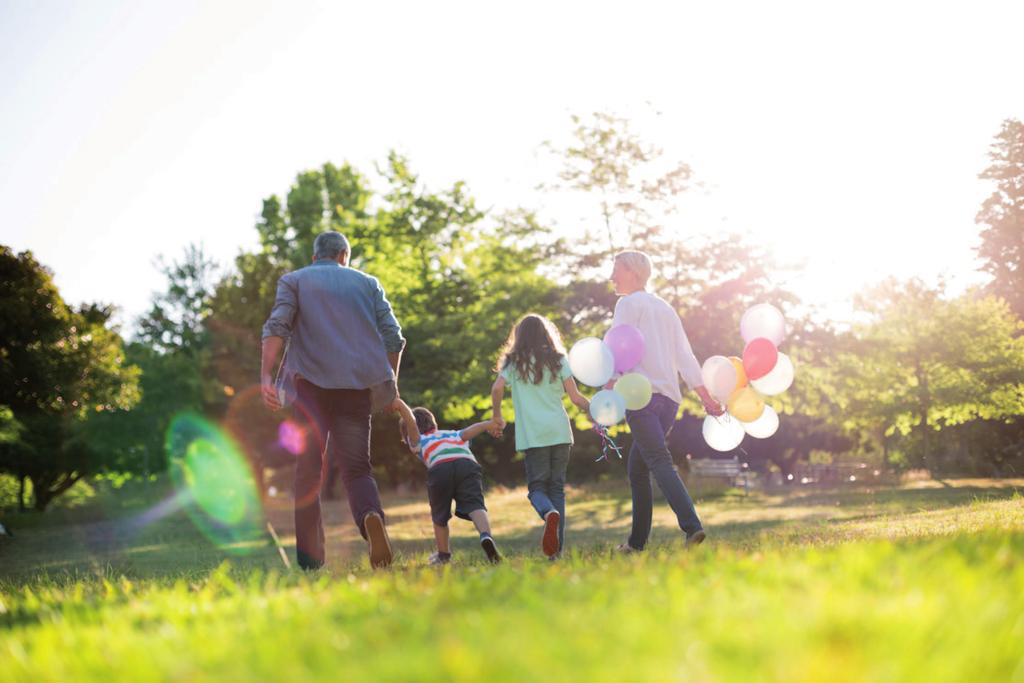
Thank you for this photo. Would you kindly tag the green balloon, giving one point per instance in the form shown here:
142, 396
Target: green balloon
636, 389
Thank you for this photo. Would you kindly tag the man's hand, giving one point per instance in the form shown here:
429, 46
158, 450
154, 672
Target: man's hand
269, 393
396, 405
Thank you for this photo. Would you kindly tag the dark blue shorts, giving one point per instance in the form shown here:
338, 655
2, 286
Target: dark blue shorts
460, 480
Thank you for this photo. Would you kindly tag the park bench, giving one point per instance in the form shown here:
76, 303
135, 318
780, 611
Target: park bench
721, 468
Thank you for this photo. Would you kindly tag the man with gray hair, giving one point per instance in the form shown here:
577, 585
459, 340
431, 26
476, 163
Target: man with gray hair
341, 364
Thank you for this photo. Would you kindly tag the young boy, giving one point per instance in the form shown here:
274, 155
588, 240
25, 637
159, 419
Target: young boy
452, 474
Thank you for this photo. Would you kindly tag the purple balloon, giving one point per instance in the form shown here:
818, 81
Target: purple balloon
627, 345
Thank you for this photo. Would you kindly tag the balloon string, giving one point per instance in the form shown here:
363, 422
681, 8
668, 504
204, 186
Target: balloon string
607, 444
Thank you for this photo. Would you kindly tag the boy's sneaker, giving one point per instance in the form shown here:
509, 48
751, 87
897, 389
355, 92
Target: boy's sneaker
626, 549
380, 545
695, 539
549, 542
438, 559
487, 543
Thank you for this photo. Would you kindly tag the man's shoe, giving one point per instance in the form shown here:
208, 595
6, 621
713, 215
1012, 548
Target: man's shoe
549, 543
487, 543
377, 535
626, 549
695, 539
438, 559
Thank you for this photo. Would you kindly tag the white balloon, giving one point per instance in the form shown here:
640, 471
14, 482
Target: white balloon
719, 376
778, 379
591, 361
723, 433
763, 320
764, 426
608, 407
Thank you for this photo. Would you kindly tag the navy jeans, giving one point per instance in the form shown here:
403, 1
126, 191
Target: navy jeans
341, 422
545, 480
649, 455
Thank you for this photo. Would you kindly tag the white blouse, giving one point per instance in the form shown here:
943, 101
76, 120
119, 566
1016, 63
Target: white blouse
668, 354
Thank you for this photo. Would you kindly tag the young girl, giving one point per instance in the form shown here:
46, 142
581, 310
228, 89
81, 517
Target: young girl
534, 365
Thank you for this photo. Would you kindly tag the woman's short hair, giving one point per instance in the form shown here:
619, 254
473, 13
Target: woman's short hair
636, 261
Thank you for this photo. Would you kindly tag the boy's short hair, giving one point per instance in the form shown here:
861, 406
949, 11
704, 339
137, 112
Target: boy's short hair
636, 261
425, 423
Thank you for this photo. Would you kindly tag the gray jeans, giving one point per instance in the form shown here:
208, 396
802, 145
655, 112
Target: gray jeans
545, 479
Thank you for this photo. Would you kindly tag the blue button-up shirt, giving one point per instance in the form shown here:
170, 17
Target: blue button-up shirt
340, 326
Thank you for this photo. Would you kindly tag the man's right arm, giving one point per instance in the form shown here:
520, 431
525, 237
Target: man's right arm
277, 328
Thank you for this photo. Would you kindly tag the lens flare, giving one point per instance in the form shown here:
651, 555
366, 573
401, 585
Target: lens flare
291, 437
209, 471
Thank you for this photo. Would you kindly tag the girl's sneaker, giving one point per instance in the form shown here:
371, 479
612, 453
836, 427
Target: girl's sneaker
549, 542
490, 548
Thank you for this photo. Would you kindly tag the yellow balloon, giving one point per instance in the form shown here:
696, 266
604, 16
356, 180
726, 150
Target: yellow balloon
746, 405
636, 389
741, 374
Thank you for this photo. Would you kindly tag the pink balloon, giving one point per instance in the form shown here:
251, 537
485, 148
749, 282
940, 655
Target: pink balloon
627, 345
759, 358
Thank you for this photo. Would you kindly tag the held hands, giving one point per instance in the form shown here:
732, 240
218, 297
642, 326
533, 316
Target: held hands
269, 393
496, 427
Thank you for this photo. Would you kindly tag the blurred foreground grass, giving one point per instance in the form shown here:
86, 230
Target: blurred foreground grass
892, 584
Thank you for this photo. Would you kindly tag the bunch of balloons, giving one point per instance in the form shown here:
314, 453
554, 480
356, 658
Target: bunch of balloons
742, 383
593, 361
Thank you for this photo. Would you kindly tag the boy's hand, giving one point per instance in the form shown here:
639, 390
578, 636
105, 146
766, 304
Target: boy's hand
496, 427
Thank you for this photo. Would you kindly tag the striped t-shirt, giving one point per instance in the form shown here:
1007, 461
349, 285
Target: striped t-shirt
442, 445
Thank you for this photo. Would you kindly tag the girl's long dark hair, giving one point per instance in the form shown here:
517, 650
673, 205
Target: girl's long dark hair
532, 346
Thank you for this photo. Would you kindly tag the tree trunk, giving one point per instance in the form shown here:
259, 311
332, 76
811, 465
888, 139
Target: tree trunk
44, 490
42, 498
926, 401
21, 493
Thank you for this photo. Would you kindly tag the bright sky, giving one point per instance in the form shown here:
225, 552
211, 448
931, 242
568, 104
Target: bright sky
846, 137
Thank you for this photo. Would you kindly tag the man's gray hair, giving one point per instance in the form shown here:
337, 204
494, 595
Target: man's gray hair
636, 261
329, 245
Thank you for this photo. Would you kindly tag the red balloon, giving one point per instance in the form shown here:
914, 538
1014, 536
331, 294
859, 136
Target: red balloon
759, 357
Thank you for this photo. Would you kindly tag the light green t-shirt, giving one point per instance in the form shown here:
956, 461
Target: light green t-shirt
541, 419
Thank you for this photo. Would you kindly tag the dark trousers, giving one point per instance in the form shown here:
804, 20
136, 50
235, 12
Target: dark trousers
341, 422
649, 455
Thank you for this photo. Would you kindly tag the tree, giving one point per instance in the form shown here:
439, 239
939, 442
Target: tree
175, 322
634, 188
456, 278
172, 351
925, 363
1002, 214
59, 367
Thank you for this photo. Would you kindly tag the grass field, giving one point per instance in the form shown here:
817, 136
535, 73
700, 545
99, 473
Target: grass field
922, 583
